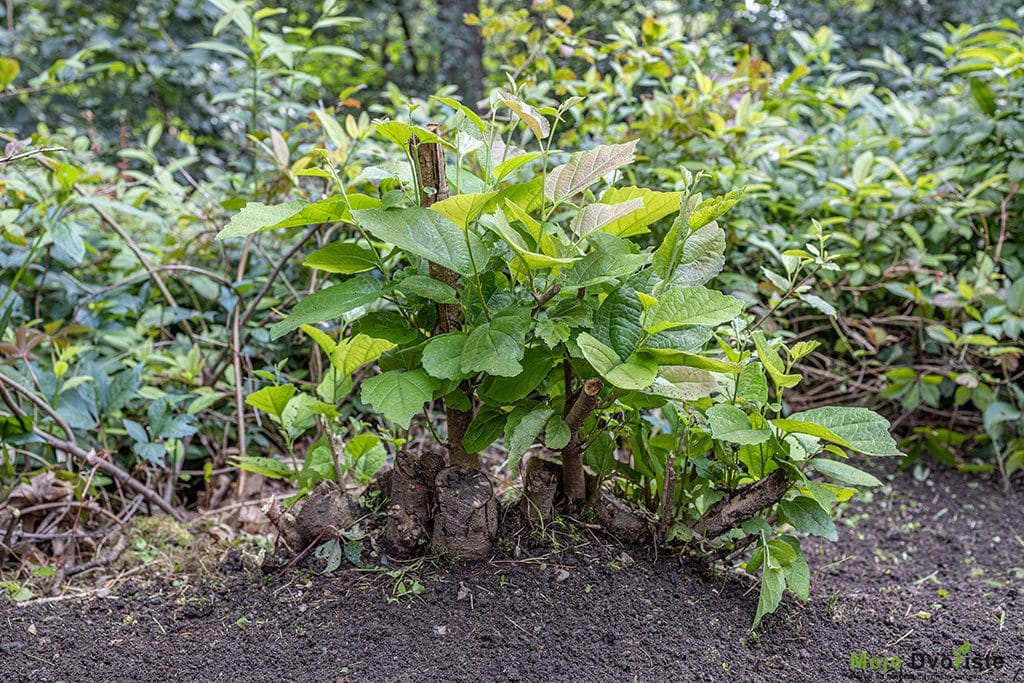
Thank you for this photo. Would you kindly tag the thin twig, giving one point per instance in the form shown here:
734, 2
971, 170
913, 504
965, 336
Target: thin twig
30, 153
71, 447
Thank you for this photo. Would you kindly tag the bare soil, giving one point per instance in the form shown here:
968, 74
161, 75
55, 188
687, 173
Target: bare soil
923, 566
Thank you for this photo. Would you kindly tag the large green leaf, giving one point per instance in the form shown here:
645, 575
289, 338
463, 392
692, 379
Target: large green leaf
428, 234
487, 425
712, 208
848, 474
354, 352
498, 223
463, 209
271, 400
692, 360
773, 362
526, 113
585, 168
862, 430
635, 373
537, 363
495, 348
617, 321
807, 516
442, 356
399, 394
428, 288
701, 257
257, 216
400, 133
691, 306
342, 257
773, 584
752, 385
730, 423
609, 258
596, 216
682, 383
525, 423
798, 574
329, 303
656, 205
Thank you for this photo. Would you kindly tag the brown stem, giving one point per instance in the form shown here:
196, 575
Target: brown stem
668, 497
434, 188
741, 505
574, 485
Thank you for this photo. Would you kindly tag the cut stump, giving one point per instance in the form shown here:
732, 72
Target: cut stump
466, 523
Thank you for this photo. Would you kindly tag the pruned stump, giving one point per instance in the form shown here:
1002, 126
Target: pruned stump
412, 501
542, 480
466, 523
326, 506
619, 519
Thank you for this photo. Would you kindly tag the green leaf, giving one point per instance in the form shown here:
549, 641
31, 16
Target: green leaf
556, 433
773, 363
268, 467
700, 258
798, 574
791, 426
525, 423
691, 306
635, 373
585, 168
463, 209
257, 216
323, 340
610, 258
773, 584
513, 163
617, 321
356, 351
326, 304
691, 360
400, 133
752, 385
487, 425
983, 97
712, 208
9, 69
682, 383
730, 423
428, 234
596, 216
498, 223
862, 430
342, 257
368, 454
442, 356
428, 288
271, 400
504, 391
526, 113
478, 123
318, 466
399, 394
656, 205
497, 347
848, 474
807, 516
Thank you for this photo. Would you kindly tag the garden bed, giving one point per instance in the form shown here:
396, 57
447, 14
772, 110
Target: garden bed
924, 566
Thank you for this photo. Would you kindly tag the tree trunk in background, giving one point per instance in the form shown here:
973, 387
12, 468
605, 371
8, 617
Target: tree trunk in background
462, 49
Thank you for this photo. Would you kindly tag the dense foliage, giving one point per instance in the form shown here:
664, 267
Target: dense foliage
845, 222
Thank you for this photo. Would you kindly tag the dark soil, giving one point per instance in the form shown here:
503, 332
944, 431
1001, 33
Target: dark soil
921, 568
